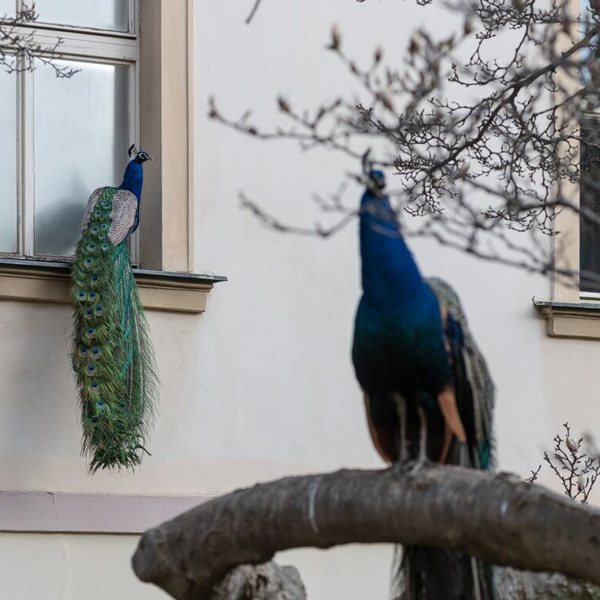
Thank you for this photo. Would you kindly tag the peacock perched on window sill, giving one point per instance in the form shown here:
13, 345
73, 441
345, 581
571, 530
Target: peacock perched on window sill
427, 391
112, 355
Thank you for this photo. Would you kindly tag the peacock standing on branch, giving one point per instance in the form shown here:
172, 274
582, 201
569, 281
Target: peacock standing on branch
427, 392
112, 355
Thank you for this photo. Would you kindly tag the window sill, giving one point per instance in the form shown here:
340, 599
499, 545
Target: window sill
48, 282
580, 320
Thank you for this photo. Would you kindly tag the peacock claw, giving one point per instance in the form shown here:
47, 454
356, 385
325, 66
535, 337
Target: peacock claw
419, 464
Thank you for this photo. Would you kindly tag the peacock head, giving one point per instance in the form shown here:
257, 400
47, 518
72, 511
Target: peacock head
139, 157
376, 181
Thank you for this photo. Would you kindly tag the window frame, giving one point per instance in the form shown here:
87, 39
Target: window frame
570, 312
166, 110
166, 130
82, 44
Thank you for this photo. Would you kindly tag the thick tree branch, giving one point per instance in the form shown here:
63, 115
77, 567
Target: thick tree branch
498, 518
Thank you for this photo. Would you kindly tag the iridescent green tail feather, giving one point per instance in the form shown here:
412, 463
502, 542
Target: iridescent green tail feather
112, 354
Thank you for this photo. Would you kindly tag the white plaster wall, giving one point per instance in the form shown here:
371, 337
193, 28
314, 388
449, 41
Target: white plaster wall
261, 385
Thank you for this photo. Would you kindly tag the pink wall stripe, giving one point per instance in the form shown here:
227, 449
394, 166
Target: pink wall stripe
88, 513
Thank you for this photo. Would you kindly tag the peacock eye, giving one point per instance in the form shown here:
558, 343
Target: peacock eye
100, 404
81, 295
94, 229
89, 313
104, 247
91, 370
96, 352
104, 226
91, 247
89, 261
83, 351
94, 278
97, 214
90, 333
99, 310
94, 388
122, 404
95, 419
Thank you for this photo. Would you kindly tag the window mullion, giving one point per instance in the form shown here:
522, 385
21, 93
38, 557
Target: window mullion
26, 165
133, 16
134, 135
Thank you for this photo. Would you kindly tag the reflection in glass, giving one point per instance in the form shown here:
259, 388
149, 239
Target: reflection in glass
98, 14
81, 140
8, 162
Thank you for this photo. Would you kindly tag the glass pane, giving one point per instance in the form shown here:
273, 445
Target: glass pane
98, 14
8, 162
7, 8
590, 200
81, 138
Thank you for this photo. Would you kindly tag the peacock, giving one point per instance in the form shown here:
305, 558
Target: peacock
427, 391
111, 353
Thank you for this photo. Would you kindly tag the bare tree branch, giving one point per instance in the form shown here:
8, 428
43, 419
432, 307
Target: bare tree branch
253, 11
473, 168
499, 518
19, 48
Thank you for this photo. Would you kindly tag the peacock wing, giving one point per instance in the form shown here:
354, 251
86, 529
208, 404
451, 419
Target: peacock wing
124, 209
476, 371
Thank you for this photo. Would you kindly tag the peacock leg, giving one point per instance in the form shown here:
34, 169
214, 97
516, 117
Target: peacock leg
447, 403
422, 458
402, 444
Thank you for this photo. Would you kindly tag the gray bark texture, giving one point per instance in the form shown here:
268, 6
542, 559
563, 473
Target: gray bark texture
496, 517
511, 584
268, 581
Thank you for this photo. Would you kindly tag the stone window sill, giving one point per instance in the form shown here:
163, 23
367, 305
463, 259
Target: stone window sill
48, 282
579, 320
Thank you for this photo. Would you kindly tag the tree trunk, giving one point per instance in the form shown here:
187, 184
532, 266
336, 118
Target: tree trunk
496, 517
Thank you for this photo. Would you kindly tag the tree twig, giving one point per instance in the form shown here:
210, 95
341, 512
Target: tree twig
253, 11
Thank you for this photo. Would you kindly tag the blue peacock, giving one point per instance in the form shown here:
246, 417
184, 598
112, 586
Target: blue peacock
426, 387
112, 355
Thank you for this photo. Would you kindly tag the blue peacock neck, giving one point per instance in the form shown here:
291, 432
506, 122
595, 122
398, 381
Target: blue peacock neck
390, 276
133, 178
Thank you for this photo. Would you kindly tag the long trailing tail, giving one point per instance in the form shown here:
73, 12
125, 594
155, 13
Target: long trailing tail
426, 573
111, 353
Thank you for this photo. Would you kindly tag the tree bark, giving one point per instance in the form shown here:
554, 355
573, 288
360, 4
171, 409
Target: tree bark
268, 581
496, 517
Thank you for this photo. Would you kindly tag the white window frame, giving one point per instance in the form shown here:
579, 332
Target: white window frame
84, 45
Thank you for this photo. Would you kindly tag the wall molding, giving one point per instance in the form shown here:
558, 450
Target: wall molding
49, 512
580, 320
48, 282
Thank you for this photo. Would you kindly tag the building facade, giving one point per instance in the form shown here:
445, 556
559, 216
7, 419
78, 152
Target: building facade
256, 380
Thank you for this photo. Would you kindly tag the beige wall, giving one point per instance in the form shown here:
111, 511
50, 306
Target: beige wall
261, 385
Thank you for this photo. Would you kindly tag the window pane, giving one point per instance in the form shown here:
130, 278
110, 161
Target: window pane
98, 14
590, 200
81, 140
7, 8
8, 162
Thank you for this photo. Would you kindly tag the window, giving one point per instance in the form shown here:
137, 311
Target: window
136, 64
63, 137
589, 198
589, 235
